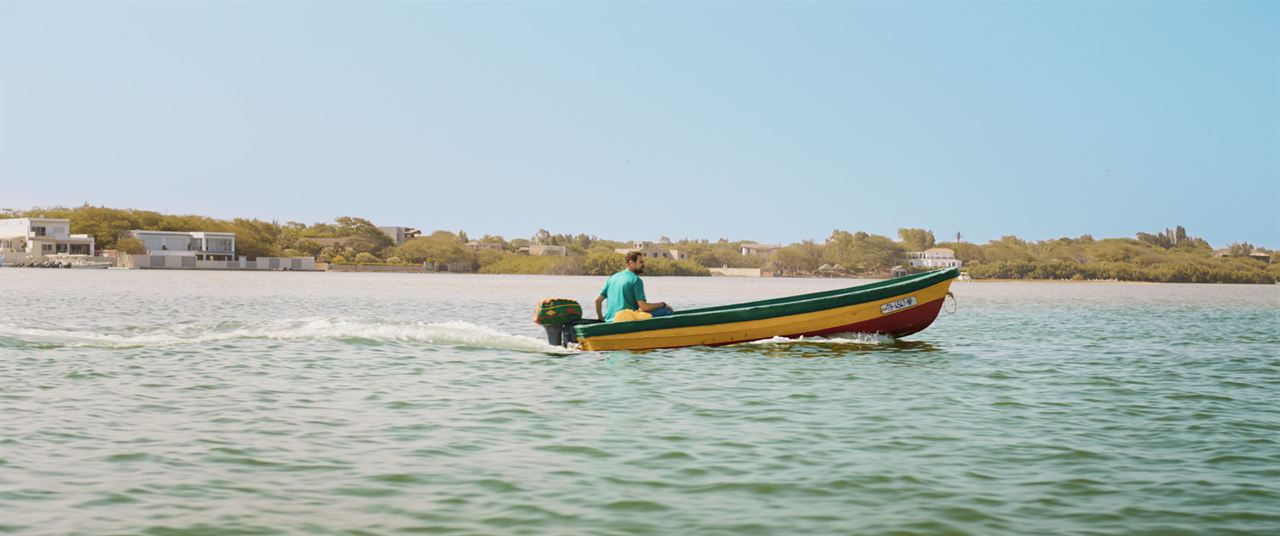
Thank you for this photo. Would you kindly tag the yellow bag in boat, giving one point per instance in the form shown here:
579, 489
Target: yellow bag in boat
627, 315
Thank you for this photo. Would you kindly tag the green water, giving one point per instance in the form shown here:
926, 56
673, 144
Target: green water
140, 402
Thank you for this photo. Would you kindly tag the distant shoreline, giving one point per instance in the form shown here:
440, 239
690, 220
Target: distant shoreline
997, 280
356, 244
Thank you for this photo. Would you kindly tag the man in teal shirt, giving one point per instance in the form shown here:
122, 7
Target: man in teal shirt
625, 290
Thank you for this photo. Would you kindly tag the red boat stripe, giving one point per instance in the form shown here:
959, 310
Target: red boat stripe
898, 324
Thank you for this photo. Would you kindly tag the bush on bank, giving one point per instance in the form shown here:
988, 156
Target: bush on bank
1184, 271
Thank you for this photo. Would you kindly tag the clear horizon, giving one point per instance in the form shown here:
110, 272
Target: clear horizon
774, 123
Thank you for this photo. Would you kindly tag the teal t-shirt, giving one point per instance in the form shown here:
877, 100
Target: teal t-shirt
622, 291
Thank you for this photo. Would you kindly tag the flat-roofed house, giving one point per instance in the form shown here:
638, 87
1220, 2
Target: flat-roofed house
43, 236
203, 246
1226, 252
648, 249
401, 234
934, 258
752, 248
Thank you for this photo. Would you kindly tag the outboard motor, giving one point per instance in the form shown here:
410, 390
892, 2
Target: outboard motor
558, 316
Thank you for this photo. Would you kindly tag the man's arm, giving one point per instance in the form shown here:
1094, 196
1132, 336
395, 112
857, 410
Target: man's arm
637, 292
650, 307
599, 308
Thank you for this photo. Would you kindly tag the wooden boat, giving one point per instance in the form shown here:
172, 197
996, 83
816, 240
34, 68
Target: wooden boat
896, 307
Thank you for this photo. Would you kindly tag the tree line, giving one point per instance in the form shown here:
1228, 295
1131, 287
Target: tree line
1167, 256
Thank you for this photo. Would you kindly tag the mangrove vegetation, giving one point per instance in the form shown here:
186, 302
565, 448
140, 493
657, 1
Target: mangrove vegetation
1168, 256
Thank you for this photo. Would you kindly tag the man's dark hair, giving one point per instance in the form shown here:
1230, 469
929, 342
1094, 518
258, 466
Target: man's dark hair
634, 256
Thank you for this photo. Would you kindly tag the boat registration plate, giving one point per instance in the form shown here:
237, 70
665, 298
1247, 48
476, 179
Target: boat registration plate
898, 304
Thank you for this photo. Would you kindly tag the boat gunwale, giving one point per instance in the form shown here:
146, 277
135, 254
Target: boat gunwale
774, 307
812, 295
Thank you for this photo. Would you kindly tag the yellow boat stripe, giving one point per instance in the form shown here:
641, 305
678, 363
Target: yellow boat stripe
764, 328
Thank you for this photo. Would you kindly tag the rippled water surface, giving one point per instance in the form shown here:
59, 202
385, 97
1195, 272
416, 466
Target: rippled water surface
258, 403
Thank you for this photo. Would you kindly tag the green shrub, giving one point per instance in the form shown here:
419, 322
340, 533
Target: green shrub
521, 264
603, 263
487, 257
658, 266
131, 245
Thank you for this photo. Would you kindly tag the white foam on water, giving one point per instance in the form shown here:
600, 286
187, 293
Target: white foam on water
453, 333
838, 338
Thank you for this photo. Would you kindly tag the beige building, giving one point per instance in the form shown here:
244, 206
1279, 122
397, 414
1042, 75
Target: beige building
1226, 252
649, 249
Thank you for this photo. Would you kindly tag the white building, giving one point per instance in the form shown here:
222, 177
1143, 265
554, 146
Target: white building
934, 258
648, 249
401, 234
43, 236
202, 246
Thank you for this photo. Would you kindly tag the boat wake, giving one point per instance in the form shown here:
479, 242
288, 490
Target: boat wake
355, 331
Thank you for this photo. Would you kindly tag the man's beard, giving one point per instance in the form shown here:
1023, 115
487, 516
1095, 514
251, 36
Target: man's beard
639, 271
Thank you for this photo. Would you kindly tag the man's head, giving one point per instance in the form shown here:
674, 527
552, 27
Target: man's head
635, 262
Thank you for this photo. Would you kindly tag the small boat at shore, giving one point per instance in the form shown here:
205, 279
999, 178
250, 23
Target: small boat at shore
896, 307
90, 265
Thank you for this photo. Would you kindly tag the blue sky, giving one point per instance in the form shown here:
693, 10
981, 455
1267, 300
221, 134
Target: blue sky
758, 121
